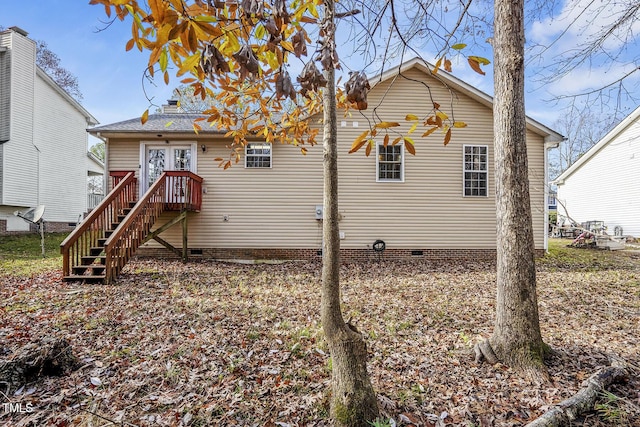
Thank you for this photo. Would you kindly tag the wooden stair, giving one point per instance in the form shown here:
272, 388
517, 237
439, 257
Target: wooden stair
92, 267
83, 251
98, 249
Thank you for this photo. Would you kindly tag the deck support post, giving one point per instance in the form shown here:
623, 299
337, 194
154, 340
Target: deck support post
185, 250
155, 235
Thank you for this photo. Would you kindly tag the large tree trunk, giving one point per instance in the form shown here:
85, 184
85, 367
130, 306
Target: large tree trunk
516, 339
353, 401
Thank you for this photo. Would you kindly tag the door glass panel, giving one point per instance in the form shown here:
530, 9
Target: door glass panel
155, 164
182, 159
181, 162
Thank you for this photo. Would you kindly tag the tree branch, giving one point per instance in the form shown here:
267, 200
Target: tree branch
584, 400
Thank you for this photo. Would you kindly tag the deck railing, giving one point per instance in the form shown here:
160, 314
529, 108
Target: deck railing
184, 191
93, 200
174, 190
96, 225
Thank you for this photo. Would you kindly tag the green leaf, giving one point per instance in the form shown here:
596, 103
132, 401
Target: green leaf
459, 46
260, 31
204, 18
164, 60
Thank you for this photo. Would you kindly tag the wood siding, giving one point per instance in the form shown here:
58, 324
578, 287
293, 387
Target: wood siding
606, 187
275, 207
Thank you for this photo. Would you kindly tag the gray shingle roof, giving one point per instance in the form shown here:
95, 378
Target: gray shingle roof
159, 123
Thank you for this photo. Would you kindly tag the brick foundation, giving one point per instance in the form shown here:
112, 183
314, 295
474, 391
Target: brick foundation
59, 227
347, 255
49, 227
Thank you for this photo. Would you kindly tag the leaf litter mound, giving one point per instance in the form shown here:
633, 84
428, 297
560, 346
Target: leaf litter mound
209, 343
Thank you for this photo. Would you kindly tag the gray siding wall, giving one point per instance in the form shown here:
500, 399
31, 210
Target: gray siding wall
44, 161
20, 181
60, 134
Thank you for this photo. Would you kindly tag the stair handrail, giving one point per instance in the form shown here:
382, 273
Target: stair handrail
130, 234
86, 234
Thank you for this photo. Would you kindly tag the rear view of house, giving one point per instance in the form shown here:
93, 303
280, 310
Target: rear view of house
43, 141
603, 184
437, 204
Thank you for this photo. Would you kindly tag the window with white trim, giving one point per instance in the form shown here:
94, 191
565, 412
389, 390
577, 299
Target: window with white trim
390, 163
476, 175
257, 155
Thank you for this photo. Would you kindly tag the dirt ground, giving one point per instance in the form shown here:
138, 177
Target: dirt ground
208, 343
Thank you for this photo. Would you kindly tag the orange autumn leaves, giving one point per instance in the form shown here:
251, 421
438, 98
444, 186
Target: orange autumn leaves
436, 120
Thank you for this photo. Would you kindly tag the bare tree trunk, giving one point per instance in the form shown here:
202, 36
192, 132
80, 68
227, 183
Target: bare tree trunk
353, 401
516, 339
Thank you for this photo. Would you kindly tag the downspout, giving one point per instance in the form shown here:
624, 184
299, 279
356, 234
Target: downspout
37, 173
33, 125
548, 145
33, 138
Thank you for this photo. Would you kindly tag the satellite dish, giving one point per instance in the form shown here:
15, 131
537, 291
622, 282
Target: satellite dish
33, 215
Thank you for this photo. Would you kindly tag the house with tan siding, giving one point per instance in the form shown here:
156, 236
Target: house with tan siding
43, 141
437, 204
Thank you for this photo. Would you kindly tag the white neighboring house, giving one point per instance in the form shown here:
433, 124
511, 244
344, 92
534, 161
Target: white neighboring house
95, 181
603, 184
43, 141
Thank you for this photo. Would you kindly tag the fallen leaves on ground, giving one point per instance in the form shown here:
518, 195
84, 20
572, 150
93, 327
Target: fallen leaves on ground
208, 343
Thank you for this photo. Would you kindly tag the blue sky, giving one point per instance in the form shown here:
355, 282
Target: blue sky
111, 79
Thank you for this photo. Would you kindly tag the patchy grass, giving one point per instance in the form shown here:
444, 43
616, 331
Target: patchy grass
208, 343
21, 255
561, 256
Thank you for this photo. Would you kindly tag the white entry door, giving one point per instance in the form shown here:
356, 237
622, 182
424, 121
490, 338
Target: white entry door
162, 158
